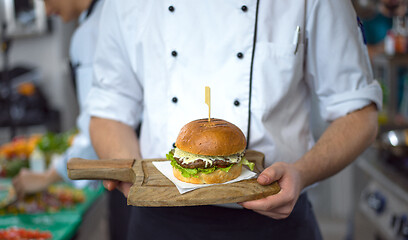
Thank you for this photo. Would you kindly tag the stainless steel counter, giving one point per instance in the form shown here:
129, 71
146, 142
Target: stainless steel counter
375, 166
382, 211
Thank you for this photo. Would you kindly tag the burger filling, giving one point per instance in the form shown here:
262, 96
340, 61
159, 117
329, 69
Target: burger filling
190, 165
190, 160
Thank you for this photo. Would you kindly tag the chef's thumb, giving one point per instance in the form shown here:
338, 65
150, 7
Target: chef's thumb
271, 174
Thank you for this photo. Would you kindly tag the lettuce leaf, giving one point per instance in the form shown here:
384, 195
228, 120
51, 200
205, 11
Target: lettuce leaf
226, 169
245, 161
192, 172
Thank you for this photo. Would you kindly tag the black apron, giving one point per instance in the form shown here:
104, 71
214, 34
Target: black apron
212, 222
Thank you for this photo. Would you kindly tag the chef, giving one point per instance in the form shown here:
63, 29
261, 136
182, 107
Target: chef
81, 57
82, 51
263, 60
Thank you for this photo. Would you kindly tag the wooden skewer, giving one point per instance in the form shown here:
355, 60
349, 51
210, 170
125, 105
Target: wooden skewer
208, 101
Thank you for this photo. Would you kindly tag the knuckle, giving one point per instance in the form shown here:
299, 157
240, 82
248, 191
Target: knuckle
269, 171
281, 164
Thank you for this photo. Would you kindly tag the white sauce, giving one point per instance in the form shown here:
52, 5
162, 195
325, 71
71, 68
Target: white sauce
187, 157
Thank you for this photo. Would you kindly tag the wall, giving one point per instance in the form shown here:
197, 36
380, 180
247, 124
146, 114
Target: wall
49, 53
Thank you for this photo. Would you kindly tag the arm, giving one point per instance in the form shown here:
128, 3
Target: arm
339, 145
116, 98
112, 139
343, 141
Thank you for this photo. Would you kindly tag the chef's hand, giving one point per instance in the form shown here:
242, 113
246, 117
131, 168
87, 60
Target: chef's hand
27, 182
121, 186
280, 205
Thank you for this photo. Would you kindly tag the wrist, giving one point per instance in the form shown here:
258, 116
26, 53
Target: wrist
303, 175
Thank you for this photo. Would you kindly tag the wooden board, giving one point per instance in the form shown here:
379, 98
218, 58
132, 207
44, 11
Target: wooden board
152, 189
156, 191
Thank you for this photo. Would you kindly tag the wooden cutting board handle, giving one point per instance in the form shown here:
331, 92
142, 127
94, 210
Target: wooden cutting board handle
120, 169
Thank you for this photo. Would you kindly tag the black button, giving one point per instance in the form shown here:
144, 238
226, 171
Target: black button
171, 9
174, 99
240, 55
236, 103
174, 145
174, 53
244, 8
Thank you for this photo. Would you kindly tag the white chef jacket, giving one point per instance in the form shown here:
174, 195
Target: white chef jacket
156, 57
82, 50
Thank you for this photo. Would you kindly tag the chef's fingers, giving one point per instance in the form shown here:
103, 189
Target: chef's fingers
267, 204
275, 215
283, 201
278, 206
110, 184
124, 187
271, 174
18, 188
121, 186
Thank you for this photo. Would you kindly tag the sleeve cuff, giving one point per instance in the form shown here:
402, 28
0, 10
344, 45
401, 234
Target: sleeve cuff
110, 105
61, 168
341, 104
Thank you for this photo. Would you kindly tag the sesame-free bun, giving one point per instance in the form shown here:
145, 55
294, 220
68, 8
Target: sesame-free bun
211, 138
218, 176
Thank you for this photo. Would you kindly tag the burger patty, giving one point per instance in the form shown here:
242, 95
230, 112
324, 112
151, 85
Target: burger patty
199, 163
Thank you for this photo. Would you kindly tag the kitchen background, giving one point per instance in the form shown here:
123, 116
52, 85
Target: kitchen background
367, 200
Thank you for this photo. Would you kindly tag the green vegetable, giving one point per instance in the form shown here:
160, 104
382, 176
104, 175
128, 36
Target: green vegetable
226, 169
251, 165
55, 143
193, 172
14, 166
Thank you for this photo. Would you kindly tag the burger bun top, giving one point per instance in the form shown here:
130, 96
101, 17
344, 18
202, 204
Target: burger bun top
211, 138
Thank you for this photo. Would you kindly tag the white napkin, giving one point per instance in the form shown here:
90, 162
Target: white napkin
183, 187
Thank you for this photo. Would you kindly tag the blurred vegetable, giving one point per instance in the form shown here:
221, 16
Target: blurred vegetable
20, 147
15, 154
21, 233
54, 143
55, 198
14, 166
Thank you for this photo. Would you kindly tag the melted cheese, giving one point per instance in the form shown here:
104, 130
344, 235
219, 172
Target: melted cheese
187, 157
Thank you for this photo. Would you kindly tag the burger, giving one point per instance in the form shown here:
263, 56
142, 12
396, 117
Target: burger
208, 152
